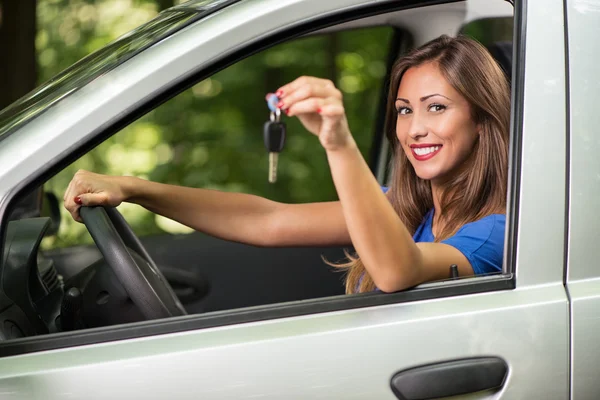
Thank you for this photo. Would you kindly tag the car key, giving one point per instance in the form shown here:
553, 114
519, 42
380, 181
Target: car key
274, 136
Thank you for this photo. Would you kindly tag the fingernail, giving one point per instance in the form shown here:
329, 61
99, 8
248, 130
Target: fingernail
287, 112
279, 93
78, 200
319, 110
280, 104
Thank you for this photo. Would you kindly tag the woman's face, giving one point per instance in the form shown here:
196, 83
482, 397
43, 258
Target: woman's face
434, 124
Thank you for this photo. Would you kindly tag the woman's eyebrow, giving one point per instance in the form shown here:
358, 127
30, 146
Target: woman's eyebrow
434, 94
424, 98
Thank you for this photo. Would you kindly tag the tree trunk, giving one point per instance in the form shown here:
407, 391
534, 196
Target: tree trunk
18, 73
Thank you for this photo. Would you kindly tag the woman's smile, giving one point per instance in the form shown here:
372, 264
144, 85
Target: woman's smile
422, 152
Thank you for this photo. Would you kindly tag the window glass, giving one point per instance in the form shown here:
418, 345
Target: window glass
211, 135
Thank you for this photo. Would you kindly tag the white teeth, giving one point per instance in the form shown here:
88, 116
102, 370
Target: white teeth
422, 151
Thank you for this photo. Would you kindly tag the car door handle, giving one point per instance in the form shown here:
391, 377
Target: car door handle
450, 378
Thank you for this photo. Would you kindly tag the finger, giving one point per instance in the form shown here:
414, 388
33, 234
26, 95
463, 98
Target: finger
313, 105
307, 106
72, 191
306, 92
285, 90
68, 202
68, 193
93, 199
332, 109
76, 216
83, 200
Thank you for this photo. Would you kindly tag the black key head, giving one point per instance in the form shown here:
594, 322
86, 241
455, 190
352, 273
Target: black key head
274, 136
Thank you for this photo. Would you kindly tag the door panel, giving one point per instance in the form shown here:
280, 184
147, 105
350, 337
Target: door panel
542, 153
344, 355
243, 276
236, 275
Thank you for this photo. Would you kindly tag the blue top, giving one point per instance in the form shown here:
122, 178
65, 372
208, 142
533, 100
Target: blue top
481, 241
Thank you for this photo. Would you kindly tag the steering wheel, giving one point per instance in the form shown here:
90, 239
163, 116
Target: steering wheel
131, 263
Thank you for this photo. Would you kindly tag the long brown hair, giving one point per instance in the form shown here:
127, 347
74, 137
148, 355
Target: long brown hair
473, 192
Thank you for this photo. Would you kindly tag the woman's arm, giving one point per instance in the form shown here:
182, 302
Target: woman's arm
386, 247
390, 255
232, 216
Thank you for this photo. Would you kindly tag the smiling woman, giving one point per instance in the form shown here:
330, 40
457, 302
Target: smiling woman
449, 132
459, 121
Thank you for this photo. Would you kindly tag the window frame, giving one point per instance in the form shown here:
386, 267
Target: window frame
434, 290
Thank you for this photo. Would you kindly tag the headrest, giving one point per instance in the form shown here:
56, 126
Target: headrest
502, 53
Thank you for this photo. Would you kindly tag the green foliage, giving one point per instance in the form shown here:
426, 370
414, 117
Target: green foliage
210, 136
490, 30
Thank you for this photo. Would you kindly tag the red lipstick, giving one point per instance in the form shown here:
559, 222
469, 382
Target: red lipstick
425, 151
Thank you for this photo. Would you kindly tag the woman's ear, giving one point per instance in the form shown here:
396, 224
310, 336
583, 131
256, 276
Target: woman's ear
479, 128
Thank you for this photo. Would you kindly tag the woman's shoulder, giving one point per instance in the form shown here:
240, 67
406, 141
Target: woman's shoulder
488, 230
485, 228
482, 242
489, 221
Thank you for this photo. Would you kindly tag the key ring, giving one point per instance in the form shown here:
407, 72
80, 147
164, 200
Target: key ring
272, 101
275, 115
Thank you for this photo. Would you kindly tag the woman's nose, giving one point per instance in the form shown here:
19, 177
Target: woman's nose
418, 127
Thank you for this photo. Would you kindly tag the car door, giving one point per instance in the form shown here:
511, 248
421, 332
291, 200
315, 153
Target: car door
353, 347
583, 284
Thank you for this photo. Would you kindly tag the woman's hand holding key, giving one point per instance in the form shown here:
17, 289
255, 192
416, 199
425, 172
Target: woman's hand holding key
318, 105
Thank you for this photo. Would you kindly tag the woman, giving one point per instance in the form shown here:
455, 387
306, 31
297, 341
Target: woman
448, 116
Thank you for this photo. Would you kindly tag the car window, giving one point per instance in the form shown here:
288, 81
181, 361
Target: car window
211, 136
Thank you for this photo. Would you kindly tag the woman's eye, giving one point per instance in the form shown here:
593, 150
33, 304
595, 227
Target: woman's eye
403, 110
437, 107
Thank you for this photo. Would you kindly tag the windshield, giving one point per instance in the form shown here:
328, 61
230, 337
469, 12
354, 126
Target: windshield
103, 60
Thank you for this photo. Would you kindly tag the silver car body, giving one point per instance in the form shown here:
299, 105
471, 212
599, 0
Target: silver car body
544, 324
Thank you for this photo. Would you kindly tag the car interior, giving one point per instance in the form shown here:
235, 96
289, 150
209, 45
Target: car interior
53, 273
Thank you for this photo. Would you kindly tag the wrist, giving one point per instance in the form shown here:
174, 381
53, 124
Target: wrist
129, 186
348, 145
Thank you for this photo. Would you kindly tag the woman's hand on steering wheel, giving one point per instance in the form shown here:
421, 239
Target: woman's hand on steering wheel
318, 105
90, 189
